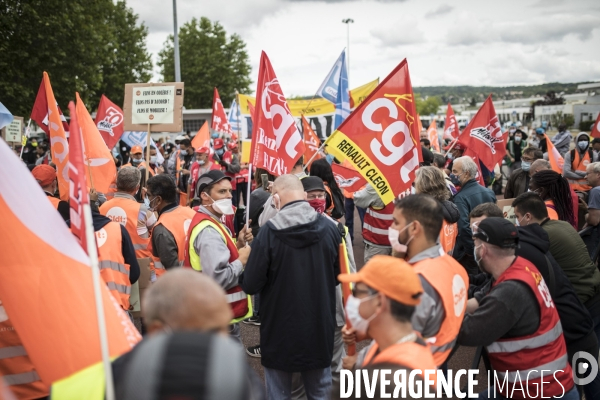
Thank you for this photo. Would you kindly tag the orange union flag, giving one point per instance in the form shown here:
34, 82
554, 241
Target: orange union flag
381, 137
50, 300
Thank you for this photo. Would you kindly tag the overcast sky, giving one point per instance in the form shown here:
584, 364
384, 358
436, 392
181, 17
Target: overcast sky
458, 42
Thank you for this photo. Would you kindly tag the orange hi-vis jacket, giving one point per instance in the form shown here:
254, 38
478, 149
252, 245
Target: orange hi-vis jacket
112, 265
580, 165
451, 282
448, 236
411, 355
54, 201
126, 212
176, 221
16, 368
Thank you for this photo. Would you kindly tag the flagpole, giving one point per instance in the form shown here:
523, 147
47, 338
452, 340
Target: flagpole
248, 193
90, 237
27, 136
451, 147
148, 154
318, 151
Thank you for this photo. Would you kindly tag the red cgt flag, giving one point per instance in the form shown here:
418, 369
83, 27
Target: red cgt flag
220, 123
595, 133
348, 179
77, 182
483, 136
276, 142
451, 130
40, 109
109, 120
381, 137
311, 141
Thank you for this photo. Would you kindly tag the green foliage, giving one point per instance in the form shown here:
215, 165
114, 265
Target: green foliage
472, 94
428, 106
93, 47
586, 126
208, 59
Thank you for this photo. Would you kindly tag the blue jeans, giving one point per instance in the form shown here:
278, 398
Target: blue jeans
570, 395
317, 384
349, 216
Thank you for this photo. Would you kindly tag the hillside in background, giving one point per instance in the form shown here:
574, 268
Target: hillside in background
472, 94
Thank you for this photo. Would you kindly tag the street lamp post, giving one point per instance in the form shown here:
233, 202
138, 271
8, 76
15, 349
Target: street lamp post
348, 21
176, 43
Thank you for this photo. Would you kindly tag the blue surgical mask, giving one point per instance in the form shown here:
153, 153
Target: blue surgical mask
215, 135
583, 144
517, 139
525, 165
183, 152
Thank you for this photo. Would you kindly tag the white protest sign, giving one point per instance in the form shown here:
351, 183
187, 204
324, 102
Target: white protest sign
14, 131
153, 105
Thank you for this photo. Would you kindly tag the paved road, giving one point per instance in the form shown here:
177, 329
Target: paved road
462, 359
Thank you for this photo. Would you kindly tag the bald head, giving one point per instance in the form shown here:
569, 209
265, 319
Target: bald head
289, 188
183, 299
539, 165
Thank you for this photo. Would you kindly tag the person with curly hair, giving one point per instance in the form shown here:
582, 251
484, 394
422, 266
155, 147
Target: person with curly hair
430, 180
556, 193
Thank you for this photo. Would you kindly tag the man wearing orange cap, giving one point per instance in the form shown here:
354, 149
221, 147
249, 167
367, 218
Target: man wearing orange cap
381, 306
202, 165
46, 177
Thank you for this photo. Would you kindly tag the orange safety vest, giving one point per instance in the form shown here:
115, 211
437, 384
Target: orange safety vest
176, 221
16, 368
112, 265
451, 282
411, 355
448, 236
552, 214
54, 201
331, 206
126, 212
578, 164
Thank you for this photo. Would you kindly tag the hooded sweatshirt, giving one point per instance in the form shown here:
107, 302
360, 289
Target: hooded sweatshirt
568, 171
577, 323
562, 141
294, 267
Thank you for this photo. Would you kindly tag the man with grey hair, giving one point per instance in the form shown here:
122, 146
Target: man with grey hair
134, 216
294, 266
539, 165
470, 196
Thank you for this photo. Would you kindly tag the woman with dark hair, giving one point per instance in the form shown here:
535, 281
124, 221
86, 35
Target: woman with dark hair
334, 199
556, 193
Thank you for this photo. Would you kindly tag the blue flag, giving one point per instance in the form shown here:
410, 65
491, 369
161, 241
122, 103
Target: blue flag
5, 116
329, 87
342, 100
235, 118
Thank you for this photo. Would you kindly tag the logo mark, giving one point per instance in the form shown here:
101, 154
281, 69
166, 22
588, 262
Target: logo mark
580, 367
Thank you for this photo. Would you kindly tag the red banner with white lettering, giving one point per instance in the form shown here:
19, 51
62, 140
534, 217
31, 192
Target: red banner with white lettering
451, 130
348, 179
484, 137
109, 120
381, 137
276, 142
40, 109
595, 133
78, 188
220, 123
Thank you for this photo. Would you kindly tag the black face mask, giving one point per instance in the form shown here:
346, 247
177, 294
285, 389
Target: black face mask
454, 179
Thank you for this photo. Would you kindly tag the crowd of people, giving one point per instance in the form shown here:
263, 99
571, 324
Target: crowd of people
443, 267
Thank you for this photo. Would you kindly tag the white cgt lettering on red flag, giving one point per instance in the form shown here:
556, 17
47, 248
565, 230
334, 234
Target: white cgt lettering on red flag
276, 142
380, 138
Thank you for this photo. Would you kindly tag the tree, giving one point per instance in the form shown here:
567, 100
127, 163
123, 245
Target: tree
427, 106
209, 59
93, 47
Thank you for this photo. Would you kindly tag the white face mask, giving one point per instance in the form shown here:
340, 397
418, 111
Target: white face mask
394, 236
583, 144
517, 139
153, 159
352, 312
223, 206
201, 162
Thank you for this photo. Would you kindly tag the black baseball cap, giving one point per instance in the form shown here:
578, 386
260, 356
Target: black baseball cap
496, 231
311, 183
211, 177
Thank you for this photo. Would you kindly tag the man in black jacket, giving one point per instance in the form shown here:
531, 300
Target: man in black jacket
293, 265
